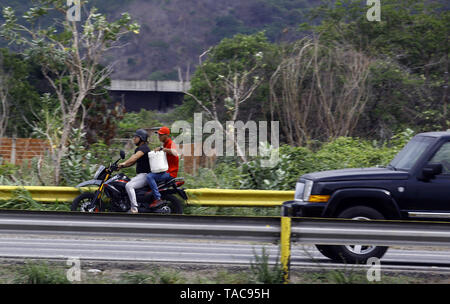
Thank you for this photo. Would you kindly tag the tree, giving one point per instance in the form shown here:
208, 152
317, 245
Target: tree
229, 78
20, 81
319, 92
413, 33
69, 54
4, 98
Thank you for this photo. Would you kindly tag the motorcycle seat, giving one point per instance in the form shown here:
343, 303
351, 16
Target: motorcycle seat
167, 182
163, 183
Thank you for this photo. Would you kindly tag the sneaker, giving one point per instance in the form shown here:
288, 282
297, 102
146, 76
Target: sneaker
133, 210
156, 203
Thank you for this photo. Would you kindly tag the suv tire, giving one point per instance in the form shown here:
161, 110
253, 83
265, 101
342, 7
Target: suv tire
328, 251
357, 254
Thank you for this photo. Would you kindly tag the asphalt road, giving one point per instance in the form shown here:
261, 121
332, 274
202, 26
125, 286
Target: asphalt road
200, 252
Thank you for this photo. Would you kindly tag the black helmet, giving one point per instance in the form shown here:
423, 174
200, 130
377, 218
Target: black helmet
142, 134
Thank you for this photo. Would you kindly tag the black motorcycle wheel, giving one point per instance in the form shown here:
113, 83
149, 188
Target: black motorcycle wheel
173, 203
82, 201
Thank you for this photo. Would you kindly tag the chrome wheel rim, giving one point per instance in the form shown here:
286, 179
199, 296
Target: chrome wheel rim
84, 204
360, 249
164, 210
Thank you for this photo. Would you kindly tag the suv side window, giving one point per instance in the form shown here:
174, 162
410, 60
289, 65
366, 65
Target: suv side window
442, 156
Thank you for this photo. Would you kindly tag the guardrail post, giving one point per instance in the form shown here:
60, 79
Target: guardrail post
285, 239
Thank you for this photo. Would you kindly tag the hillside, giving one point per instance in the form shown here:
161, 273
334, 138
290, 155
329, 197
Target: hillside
175, 32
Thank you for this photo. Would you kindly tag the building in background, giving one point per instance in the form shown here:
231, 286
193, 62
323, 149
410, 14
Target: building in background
152, 95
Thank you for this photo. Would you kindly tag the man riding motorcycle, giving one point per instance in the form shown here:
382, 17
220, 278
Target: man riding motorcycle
140, 158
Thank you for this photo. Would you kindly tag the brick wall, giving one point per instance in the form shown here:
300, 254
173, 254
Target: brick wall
16, 150
193, 163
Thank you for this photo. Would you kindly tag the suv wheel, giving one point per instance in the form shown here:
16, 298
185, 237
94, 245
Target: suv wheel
328, 251
357, 254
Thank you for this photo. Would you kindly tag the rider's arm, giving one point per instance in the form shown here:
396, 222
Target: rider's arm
171, 151
132, 160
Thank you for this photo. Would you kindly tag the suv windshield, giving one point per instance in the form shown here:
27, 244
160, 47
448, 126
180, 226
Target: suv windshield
408, 156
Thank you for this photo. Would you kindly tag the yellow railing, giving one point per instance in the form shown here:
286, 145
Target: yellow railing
42, 194
201, 197
238, 198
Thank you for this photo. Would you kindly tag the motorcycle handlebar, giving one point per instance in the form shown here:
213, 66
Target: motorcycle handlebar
114, 167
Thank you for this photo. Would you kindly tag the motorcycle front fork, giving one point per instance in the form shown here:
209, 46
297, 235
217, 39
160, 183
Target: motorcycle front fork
97, 198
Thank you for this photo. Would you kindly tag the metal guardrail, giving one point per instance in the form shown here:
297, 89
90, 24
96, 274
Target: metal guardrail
271, 229
153, 225
302, 230
201, 197
373, 232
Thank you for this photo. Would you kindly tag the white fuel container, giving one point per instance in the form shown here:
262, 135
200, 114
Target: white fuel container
158, 161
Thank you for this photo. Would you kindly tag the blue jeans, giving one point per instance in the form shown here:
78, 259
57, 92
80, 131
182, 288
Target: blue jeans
153, 178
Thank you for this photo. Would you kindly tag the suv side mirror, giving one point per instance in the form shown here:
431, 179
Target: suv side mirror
431, 170
122, 154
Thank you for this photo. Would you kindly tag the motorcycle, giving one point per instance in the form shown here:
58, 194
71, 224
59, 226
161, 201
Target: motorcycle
118, 200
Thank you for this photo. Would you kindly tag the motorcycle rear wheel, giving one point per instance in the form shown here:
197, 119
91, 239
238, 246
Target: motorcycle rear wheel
174, 203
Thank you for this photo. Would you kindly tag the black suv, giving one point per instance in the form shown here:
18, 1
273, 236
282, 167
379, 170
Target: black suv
415, 185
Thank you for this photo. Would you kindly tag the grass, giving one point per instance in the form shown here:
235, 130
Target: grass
263, 273
346, 277
137, 278
156, 276
40, 273
237, 211
55, 273
170, 277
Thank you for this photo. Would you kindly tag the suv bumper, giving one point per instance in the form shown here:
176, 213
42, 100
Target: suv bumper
302, 209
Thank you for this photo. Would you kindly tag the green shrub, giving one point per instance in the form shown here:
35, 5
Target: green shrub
7, 169
346, 152
137, 278
343, 152
293, 162
169, 277
225, 277
158, 277
133, 121
347, 277
21, 200
76, 165
223, 176
263, 273
34, 273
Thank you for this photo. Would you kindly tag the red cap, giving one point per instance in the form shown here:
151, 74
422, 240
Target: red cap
164, 131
